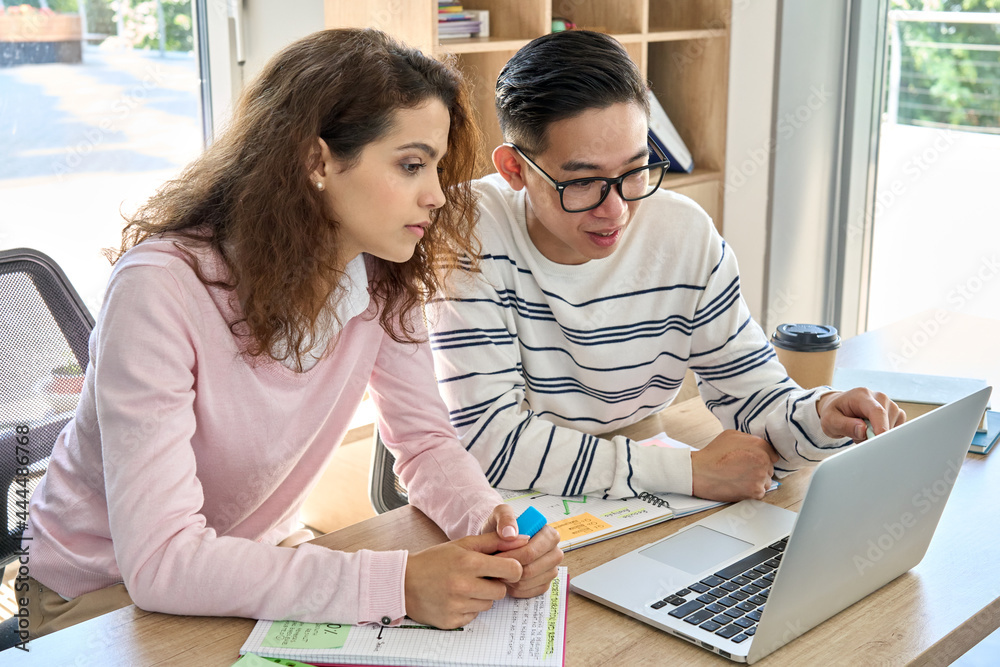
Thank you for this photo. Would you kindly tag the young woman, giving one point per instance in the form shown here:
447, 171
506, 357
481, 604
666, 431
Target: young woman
253, 301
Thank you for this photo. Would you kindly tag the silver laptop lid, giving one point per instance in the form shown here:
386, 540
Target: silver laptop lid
868, 516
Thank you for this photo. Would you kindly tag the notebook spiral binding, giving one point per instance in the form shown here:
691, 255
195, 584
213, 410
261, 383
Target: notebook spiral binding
653, 500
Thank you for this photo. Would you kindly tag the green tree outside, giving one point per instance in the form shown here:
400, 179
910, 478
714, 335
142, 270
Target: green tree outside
946, 85
139, 18
142, 24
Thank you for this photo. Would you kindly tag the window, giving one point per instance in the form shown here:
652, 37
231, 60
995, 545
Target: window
936, 241
101, 105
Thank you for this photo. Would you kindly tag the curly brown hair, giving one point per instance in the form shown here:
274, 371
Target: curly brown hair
248, 196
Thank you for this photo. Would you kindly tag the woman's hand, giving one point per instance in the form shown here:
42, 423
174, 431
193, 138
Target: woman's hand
449, 584
538, 556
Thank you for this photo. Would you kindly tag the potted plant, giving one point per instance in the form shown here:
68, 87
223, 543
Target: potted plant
62, 390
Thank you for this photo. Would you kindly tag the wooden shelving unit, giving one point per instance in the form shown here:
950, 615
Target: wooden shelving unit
681, 46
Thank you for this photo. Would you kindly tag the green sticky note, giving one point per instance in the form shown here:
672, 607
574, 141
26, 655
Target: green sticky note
284, 662
252, 660
295, 634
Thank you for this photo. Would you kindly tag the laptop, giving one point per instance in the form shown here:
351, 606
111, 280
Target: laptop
749, 579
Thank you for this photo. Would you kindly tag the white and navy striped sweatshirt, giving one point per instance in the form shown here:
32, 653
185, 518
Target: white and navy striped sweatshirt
533, 358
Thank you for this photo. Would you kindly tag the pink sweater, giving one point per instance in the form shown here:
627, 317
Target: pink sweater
185, 464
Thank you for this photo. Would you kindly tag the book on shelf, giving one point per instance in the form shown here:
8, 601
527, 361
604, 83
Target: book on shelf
456, 22
982, 442
667, 139
915, 393
518, 632
586, 519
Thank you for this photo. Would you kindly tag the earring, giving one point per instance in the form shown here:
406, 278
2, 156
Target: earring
320, 186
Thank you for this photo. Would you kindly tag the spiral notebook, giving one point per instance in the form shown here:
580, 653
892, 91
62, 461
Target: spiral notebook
515, 632
583, 520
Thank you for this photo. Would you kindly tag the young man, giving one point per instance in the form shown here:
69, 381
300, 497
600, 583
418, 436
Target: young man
596, 296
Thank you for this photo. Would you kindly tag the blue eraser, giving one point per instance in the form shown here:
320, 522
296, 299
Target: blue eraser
530, 522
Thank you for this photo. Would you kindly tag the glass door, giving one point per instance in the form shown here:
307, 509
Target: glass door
936, 217
101, 104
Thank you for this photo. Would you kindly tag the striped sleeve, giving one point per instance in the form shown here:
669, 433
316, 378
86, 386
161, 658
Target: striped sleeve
478, 364
741, 380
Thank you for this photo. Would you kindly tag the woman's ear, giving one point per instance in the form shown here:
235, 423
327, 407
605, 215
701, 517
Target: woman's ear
320, 162
509, 166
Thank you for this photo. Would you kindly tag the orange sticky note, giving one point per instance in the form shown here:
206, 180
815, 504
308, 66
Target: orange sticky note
579, 525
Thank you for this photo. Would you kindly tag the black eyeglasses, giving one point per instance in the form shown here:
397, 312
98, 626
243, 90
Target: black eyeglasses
583, 194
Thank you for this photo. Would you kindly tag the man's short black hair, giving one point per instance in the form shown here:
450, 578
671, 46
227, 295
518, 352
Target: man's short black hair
558, 76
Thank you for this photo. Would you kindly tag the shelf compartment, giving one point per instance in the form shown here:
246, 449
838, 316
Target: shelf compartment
708, 195
414, 23
673, 180
481, 70
690, 79
623, 16
703, 15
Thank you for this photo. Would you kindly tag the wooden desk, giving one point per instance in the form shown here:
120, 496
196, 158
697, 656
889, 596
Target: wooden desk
928, 616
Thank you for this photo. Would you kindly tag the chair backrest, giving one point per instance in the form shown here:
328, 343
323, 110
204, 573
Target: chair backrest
384, 488
44, 332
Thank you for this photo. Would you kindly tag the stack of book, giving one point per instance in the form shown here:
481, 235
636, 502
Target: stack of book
983, 441
918, 394
454, 22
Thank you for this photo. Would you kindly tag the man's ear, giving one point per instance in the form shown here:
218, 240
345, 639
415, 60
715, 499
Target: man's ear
509, 166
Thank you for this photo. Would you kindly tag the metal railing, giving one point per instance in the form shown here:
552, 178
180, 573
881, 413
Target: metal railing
919, 97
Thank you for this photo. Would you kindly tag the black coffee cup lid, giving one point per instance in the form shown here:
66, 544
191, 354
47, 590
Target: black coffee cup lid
806, 337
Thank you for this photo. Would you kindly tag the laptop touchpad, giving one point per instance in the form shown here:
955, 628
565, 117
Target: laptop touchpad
696, 549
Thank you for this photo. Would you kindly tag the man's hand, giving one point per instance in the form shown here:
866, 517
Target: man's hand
538, 557
449, 584
733, 467
842, 413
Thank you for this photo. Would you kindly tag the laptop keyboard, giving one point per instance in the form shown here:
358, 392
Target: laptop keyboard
730, 602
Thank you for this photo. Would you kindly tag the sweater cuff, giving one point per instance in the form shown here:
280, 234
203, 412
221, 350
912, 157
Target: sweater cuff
383, 588
660, 469
806, 415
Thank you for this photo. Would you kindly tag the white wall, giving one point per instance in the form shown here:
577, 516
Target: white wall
749, 145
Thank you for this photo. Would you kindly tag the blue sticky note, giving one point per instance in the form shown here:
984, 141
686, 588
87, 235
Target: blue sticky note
530, 522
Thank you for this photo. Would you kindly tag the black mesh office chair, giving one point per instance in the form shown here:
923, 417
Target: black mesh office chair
384, 488
44, 331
